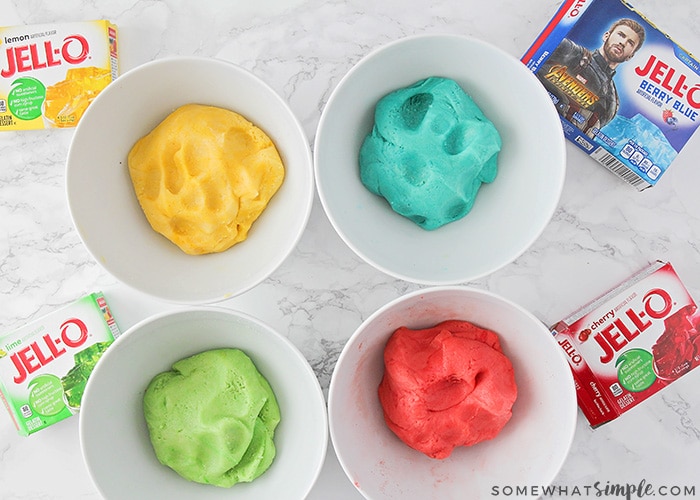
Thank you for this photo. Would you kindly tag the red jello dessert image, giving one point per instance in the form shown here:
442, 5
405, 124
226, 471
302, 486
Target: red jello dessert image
446, 386
677, 350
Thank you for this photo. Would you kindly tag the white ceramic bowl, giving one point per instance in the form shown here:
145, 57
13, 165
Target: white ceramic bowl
508, 215
113, 434
530, 449
105, 210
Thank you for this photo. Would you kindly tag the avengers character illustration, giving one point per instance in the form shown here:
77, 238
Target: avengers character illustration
580, 80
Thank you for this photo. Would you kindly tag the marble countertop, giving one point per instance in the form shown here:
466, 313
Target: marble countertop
602, 232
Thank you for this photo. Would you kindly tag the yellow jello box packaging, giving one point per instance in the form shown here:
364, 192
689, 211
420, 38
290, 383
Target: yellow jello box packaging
45, 365
50, 73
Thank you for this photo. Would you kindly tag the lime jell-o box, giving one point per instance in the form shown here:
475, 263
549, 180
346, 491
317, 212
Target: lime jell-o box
45, 365
50, 73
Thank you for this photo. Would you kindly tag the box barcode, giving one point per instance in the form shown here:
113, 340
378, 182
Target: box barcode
610, 162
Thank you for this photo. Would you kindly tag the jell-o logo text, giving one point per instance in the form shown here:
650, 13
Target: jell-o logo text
39, 353
626, 327
21, 58
674, 81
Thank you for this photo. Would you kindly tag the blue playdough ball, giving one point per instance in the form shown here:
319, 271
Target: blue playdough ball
429, 151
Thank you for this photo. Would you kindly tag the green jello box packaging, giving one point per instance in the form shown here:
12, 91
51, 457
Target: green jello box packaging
45, 365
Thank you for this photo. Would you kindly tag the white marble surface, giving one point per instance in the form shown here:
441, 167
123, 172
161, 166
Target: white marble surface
602, 232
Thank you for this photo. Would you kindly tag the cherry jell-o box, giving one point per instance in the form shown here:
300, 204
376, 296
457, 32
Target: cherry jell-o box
45, 365
50, 73
630, 343
626, 93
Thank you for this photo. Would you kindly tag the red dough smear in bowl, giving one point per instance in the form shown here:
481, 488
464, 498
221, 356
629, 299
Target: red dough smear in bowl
446, 386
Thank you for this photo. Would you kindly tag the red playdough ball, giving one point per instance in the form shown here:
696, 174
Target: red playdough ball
446, 386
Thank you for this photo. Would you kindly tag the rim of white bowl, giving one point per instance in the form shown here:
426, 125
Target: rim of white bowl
125, 337
561, 146
410, 295
305, 209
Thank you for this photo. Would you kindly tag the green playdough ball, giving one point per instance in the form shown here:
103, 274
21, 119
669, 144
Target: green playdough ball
429, 151
212, 418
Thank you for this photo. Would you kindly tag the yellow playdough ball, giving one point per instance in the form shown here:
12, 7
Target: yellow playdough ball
203, 176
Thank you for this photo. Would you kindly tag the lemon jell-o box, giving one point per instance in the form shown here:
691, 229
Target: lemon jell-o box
45, 365
50, 73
